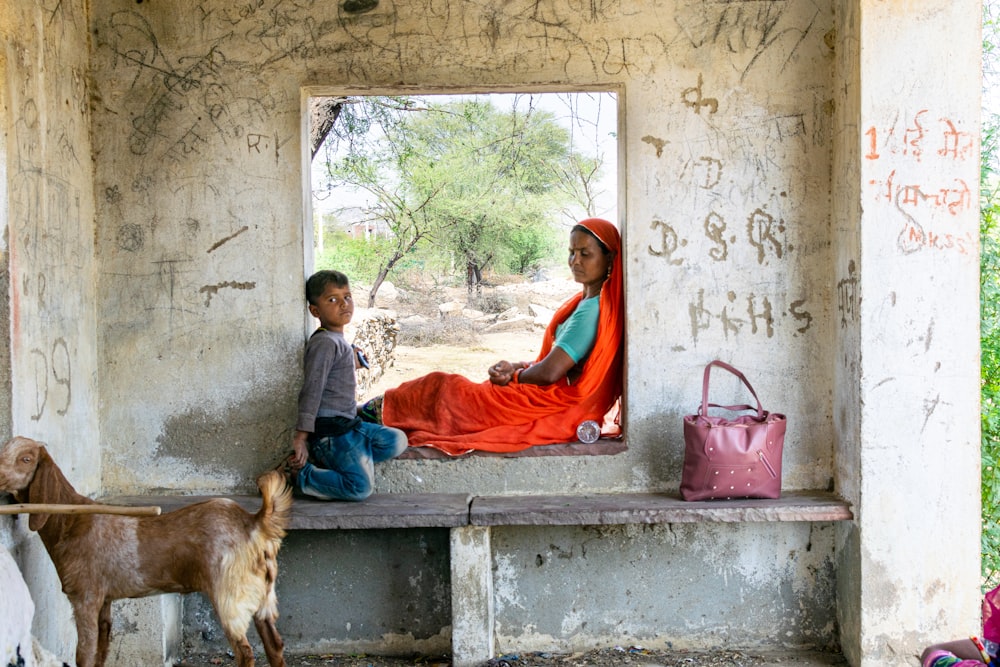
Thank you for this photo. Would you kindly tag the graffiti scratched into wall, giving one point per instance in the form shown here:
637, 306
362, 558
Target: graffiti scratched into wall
762, 231
734, 313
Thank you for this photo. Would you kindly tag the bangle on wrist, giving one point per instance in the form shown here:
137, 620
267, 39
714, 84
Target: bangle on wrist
515, 379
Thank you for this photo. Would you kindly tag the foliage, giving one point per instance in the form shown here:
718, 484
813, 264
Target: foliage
989, 227
581, 180
454, 331
373, 137
358, 258
990, 352
490, 178
493, 303
462, 183
533, 246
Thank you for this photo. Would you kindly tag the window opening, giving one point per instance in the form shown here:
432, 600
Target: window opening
454, 212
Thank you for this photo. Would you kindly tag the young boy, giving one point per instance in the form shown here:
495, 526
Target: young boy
334, 451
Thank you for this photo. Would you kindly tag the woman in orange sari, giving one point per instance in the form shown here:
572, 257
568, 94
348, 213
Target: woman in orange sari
577, 375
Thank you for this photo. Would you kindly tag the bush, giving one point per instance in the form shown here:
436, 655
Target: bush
358, 258
989, 295
456, 331
492, 303
989, 306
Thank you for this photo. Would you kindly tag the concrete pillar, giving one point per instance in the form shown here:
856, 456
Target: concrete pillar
146, 631
471, 596
905, 229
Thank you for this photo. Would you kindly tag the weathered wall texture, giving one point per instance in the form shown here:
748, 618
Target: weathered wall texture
684, 586
49, 359
796, 197
200, 233
845, 213
381, 592
725, 167
725, 180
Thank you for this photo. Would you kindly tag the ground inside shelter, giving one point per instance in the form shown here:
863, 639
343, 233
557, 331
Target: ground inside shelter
602, 657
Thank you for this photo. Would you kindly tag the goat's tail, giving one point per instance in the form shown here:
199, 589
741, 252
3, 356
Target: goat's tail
275, 511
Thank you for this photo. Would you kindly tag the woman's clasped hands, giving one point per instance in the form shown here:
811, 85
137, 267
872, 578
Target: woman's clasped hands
502, 372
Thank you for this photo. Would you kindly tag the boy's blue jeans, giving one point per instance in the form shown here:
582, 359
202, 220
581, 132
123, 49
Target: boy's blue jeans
344, 467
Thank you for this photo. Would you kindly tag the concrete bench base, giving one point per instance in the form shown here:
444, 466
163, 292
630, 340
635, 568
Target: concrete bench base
470, 520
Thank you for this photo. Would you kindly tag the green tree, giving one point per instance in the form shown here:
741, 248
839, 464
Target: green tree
989, 259
478, 186
373, 135
492, 179
990, 359
358, 258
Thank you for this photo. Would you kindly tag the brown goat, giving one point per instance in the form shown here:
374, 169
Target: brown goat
214, 547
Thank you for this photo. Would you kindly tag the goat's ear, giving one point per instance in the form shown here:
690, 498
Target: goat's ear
43, 488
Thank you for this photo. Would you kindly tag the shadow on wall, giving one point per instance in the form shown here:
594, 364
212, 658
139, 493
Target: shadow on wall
252, 436
664, 460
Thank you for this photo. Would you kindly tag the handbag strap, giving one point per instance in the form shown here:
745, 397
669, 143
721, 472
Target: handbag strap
704, 391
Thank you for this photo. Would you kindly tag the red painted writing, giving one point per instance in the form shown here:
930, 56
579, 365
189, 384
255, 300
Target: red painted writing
913, 137
916, 237
957, 145
954, 199
872, 135
950, 142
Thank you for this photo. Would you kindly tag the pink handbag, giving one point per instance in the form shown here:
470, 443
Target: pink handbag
732, 458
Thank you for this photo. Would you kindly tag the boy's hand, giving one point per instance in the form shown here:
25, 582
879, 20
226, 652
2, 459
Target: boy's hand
301, 450
360, 360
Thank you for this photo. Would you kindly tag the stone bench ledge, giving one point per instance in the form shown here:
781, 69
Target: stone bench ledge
450, 510
385, 510
626, 508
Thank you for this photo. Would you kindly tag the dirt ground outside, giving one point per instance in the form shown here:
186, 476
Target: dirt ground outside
460, 345
472, 361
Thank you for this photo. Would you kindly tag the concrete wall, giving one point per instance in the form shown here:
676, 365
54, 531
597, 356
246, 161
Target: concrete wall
726, 129
725, 158
380, 592
907, 412
49, 363
846, 220
200, 232
156, 297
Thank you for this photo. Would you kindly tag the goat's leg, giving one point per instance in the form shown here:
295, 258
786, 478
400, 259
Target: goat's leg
234, 617
103, 633
241, 648
86, 611
274, 646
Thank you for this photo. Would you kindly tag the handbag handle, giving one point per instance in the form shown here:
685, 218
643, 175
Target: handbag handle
703, 411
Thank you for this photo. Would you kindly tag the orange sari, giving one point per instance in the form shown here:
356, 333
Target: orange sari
453, 414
